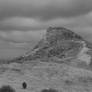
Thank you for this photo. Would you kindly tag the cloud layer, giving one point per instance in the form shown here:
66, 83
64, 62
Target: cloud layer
18, 16
44, 9
21, 37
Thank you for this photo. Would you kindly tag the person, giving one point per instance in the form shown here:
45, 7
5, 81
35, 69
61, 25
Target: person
24, 84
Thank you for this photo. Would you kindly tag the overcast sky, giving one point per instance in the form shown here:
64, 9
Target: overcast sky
24, 21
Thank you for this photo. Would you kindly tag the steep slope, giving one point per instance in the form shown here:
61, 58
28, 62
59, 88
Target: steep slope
61, 43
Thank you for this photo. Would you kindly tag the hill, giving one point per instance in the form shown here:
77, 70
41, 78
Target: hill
62, 44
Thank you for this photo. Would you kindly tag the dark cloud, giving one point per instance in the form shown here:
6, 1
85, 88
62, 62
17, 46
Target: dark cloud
21, 36
21, 28
39, 14
44, 9
26, 24
30, 15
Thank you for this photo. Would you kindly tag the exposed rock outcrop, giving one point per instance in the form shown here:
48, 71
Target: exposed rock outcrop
61, 43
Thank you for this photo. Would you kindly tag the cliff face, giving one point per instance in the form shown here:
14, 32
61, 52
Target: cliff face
55, 35
59, 42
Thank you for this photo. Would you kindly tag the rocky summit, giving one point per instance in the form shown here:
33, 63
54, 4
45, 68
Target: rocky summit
54, 35
60, 43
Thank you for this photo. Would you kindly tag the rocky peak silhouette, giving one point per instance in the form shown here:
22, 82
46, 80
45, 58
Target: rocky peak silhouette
59, 42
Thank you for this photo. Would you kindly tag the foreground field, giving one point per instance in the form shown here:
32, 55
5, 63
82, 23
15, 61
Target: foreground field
38, 76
